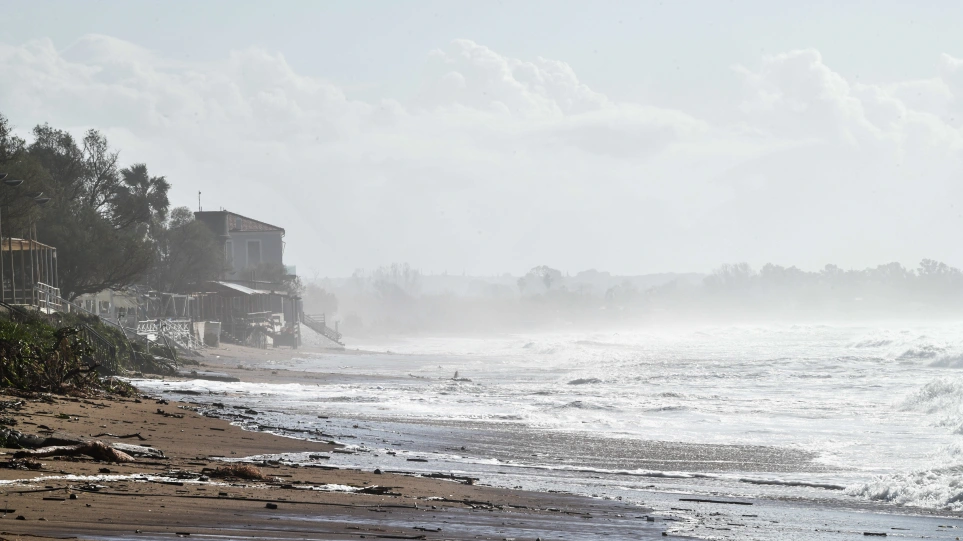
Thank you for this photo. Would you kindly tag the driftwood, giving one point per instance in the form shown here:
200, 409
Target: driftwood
125, 436
97, 450
138, 450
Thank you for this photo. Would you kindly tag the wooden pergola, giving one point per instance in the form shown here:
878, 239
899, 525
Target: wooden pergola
26, 264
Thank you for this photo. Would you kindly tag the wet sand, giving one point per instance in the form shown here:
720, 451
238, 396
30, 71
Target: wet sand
162, 498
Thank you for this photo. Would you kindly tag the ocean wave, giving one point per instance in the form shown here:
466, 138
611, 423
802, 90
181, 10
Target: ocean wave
943, 399
872, 343
663, 474
583, 405
936, 396
922, 352
948, 361
940, 489
584, 381
668, 408
347, 399
596, 343
791, 483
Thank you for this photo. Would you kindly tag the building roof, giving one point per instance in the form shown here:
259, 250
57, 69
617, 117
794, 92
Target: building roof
244, 290
22, 245
239, 223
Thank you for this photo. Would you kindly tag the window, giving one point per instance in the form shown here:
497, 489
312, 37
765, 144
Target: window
253, 252
229, 254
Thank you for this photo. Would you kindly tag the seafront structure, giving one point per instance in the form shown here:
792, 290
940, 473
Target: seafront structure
253, 302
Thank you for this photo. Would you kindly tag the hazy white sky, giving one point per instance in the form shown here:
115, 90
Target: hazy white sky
490, 137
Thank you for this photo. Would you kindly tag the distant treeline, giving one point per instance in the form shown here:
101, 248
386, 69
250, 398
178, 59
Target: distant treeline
398, 298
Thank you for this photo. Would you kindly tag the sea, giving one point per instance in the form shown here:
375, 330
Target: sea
814, 431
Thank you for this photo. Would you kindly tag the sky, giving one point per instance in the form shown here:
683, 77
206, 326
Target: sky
491, 137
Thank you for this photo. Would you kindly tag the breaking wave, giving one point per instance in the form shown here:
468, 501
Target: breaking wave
940, 489
922, 352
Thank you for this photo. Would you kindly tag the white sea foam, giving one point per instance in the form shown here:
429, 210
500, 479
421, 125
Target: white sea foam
939, 489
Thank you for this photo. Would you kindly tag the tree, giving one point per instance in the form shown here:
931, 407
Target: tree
319, 300
543, 274
92, 255
101, 220
140, 198
730, 278
18, 212
187, 253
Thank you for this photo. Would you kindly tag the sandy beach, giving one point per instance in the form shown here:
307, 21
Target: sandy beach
159, 498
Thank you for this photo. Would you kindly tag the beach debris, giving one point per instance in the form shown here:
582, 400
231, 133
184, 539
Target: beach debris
97, 450
138, 450
174, 415
379, 490
238, 471
123, 437
703, 500
461, 479
14, 439
21, 464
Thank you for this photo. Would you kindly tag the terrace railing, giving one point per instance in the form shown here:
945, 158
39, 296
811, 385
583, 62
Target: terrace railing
50, 301
179, 331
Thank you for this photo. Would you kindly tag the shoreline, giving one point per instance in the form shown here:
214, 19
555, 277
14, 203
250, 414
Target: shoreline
157, 499
664, 495
154, 498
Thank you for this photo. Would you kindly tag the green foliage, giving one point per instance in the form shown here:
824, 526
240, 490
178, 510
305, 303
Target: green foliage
35, 356
110, 225
187, 253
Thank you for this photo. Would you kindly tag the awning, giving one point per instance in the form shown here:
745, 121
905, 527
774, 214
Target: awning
244, 290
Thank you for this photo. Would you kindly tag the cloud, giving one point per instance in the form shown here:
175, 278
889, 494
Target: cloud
499, 163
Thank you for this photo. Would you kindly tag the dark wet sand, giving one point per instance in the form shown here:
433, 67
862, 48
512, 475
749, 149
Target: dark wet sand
161, 498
